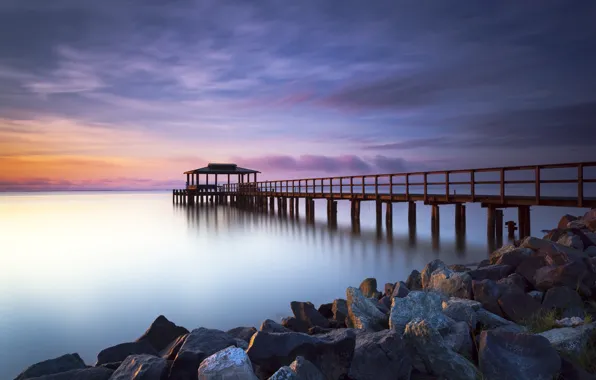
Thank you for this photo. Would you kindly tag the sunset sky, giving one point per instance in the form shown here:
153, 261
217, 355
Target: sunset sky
129, 94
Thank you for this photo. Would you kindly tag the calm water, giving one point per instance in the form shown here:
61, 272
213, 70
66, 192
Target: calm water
83, 271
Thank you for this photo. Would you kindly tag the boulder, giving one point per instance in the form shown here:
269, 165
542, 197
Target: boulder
295, 324
382, 306
93, 373
569, 340
326, 310
530, 266
316, 330
483, 263
363, 312
428, 271
515, 279
241, 343
381, 356
272, 326
454, 284
340, 310
569, 322
142, 367
565, 220
368, 287
414, 281
119, 352
461, 312
400, 290
518, 306
570, 371
439, 359
571, 240
60, 364
419, 305
389, 289
200, 344
332, 353
244, 333
284, 373
508, 355
591, 252
487, 292
170, 352
161, 333
537, 295
565, 300
554, 235
306, 313
305, 370
542, 245
571, 275
229, 363
475, 305
496, 255
386, 301
515, 257
459, 340
491, 272
459, 268
491, 321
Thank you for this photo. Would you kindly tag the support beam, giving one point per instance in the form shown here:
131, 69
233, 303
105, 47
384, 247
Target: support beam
297, 206
463, 217
458, 215
490, 222
499, 223
521, 221
389, 215
435, 218
412, 213
379, 211
272, 204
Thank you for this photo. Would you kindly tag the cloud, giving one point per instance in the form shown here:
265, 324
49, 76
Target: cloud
48, 184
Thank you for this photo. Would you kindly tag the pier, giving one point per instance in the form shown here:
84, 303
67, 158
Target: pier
486, 186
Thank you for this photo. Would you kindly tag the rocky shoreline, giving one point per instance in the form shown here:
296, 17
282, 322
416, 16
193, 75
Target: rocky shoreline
524, 313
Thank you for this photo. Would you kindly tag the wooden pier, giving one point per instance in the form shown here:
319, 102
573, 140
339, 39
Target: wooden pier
456, 187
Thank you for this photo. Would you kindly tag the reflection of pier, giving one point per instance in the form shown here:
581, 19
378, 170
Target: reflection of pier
435, 188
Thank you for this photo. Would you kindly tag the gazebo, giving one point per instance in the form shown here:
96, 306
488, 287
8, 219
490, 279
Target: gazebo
215, 169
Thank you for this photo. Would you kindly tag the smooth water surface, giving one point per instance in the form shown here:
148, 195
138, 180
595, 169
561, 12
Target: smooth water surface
82, 271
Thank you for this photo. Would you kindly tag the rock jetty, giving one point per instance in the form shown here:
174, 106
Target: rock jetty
525, 313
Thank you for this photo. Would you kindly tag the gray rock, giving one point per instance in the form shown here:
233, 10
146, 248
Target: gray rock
244, 333
231, 363
546, 245
515, 279
491, 321
487, 292
93, 373
332, 353
389, 289
514, 258
518, 306
382, 306
571, 240
141, 367
453, 284
380, 355
569, 322
459, 339
305, 370
368, 287
284, 373
363, 312
400, 290
414, 281
306, 312
461, 312
200, 344
570, 340
428, 270
459, 268
537, 295
570, 371
161, 333
491, 272
386, 301
271, 326
530, 266
571, 275
422, 305
507, 355
475, 305
241, 343
119, 352
439, 359
496, 255
340, 310
565, 300
60, 364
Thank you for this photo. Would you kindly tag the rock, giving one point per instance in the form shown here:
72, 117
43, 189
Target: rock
515, 257
295, 324
428, 271
119, 352
438, 357
93, 373
284, 373
569, 340
244, 333
368, 287
305, 370
507, 355
459, 268
569, 322
229, 363
388, 290
272, 326
316, 330
548, 246
518, 306
141, 367
170, 352
422, 305
306, 312
326, 310
492, 321
459, 340
591, 236
491, 272
240, 343
537, 295
496, 255
331, 353
382, 306
570, 371
554, 235
565, 300
48, 367
570, 275
591, 252
571, 240
340, 310
475, 305
363, 313
414, 281
565, 220
515, 279
380, 355
161, 333
400, 290
530, 266
487, 292
386, 301
200, 344
454, 284
461, 312
483, 263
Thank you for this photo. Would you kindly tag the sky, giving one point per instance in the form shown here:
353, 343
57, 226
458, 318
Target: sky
121, 94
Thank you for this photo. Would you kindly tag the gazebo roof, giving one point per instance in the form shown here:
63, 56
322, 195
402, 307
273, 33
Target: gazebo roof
214, 168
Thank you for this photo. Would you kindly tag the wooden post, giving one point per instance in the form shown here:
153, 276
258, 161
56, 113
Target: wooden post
355, 203
521, 221
391, 187
351, 185
580, 185
412, 213
472, 186
297, 206
407, 187
528, 222
311, 208
502, 186
490, 222
272, 203
389, 214
331, 210
379, 209
463, 217
458, 214
435, 217
447, 186
425, 187
537, 185
499, 223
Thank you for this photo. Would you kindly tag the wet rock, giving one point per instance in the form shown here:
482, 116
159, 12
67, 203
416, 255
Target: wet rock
439, 359
569, 340
565, 220
414, 281
386, 301
388, 289
331, 353
518, 306
565, 300
200, 344
271, 326
571, 240
363, 312
475, 305
459, 340
93, 373
419, 305
326, 310
542, 245
569, 322
530, 266
483, 263
461, 312
514, 258
428, 270
507, 355
570, 275
305, 370
284, 373
459, 268
368, 287
453, 284
60, 364
170, 352
380, 355
306, 312
537, 295
142, 367
487, 292
515, 279
382, 306
161, 333
119, 352
400, 290
240, 343
496, 255
340, 310
554, 235
229, 363
492, 321
491, 272
295, 324
244, 333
